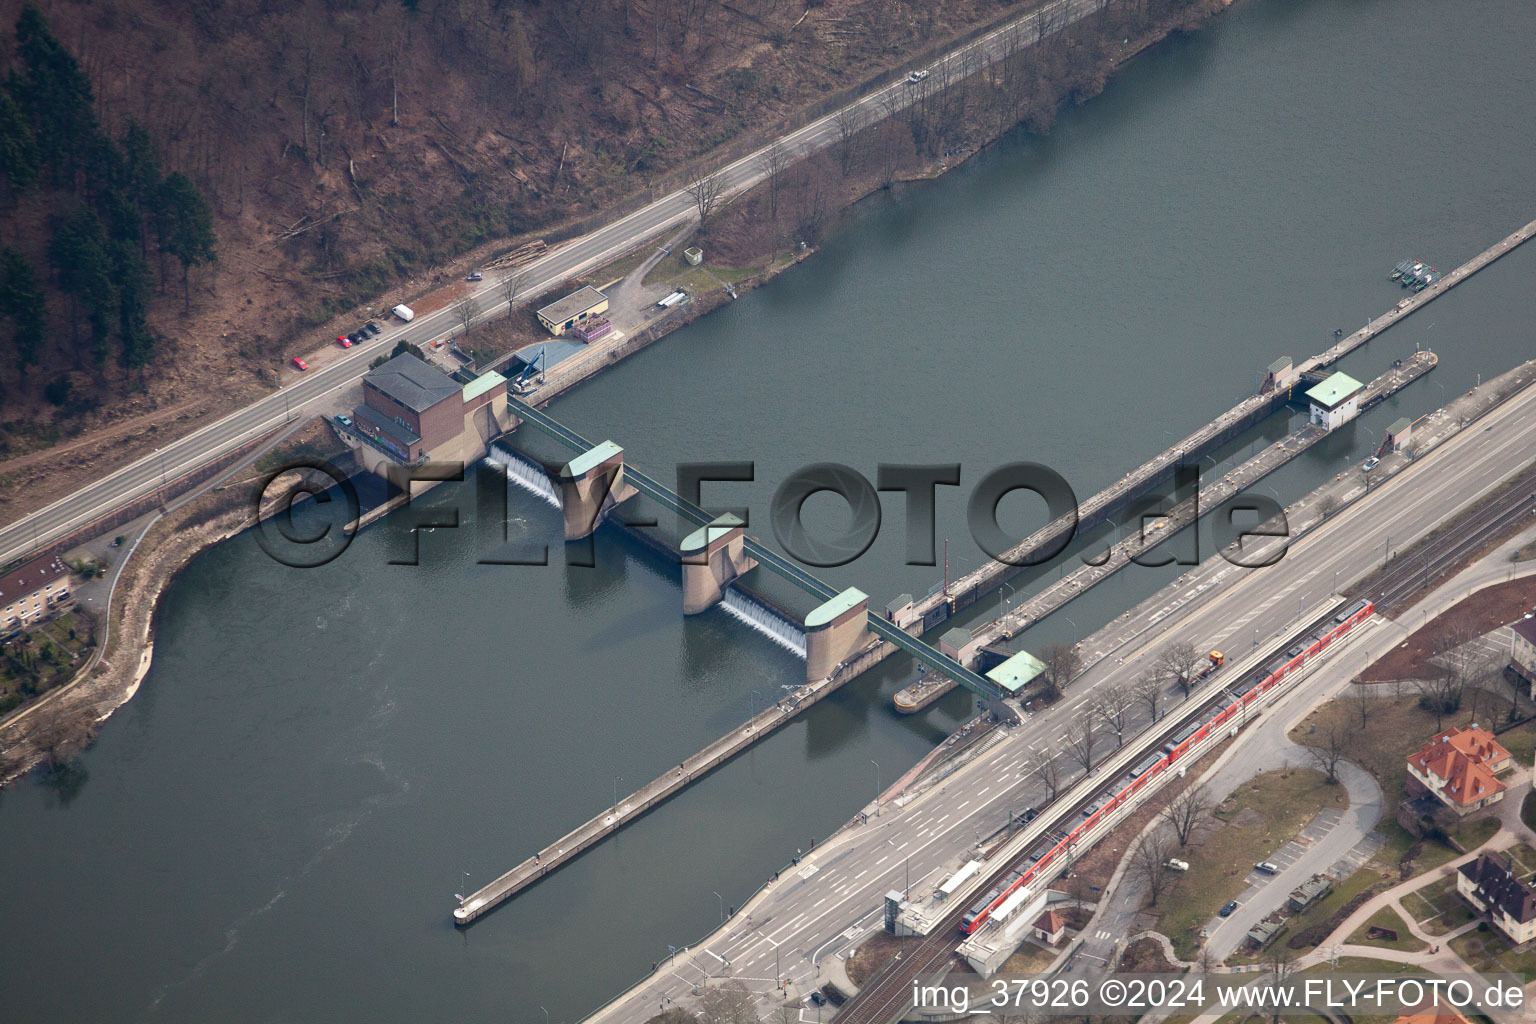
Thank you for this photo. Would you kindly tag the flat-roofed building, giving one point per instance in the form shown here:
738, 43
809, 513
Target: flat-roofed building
1335, 400
565, 313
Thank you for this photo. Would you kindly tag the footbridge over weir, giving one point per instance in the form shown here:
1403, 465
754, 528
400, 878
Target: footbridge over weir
832, 600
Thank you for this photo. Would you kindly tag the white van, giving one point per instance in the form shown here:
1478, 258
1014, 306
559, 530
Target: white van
404, 313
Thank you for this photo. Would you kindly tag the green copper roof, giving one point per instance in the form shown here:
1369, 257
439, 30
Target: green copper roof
587, 461
699, 539
1334, 390
1017, 672
480, 385
823, 615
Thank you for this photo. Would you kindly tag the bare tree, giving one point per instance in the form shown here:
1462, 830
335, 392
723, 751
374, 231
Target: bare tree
1112, 705
464, 311
1180, 661
1363, 703
730, 1003
1279, 964
1148, 689
708, 194
1061, 663
1327, 747
1149, 863
1081, 739
1043, 765
1186, 813
1328, 505
775, 162
849, 122
510, 286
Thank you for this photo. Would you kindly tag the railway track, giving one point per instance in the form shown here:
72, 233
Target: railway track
1410, 575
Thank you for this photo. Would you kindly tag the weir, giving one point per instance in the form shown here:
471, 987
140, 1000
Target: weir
836, 616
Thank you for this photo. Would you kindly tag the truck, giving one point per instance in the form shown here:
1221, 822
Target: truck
404, 312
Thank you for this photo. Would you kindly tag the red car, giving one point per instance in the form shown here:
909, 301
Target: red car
343, 341
301, 364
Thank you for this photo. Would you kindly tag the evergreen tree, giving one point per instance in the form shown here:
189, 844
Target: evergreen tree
138, 341
83, 267
56, 95
185, 227
18, 152
22, 301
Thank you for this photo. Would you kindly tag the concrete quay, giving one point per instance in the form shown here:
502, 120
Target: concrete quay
1127, 551
666, 785
937, 607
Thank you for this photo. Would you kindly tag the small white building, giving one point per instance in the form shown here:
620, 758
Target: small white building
1335, 401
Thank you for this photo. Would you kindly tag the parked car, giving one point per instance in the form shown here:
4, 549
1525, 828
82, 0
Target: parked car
301, 364
344, 420
1371, 463
373, 328
358, 337
475, 275
1269, 867
1226, 911
343, 341
917, 76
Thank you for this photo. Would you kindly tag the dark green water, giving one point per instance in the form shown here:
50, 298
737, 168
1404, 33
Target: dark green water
274, 828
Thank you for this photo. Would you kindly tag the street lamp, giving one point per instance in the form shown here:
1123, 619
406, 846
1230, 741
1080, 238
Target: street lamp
616, 779
1074, 629
877, 785
722, 905
546, 1012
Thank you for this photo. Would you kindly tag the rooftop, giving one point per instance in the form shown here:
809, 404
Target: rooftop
573, 305
590, 460
1335, 389
412, 383
1017, 672
481, 384
1527, 630
823, 615
1464, 761
699, 539
1401, 425
1493, 876
42, 569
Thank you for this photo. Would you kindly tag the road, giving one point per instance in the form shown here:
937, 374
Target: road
818, 909
569, 260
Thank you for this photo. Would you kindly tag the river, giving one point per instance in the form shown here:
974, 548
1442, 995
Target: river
274, 828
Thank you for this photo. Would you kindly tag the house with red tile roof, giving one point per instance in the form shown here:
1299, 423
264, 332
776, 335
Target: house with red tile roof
1459, 767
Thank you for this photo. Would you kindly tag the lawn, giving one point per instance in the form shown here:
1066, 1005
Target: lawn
1386, 917
1258, 819
1394, 728
1365, 965
873, 953
1030, 959
619, 269
1437, 908
1490, 952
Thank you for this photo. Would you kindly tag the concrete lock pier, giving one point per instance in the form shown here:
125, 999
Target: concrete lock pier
713, 557
1162, 527
590, 485
834, 632
842, 640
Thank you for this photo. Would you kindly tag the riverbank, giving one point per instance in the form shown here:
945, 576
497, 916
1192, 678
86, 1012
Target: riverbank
759, 235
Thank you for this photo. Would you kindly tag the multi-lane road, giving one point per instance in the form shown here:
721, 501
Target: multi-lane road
819, 908
216, 439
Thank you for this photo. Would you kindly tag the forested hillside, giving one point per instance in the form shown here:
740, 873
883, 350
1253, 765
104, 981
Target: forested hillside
192, 186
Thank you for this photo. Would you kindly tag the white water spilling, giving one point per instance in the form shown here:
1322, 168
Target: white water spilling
524, 472
765, 620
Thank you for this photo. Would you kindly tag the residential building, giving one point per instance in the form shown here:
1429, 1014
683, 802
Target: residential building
1522, 655
563, 314
1459, 768
1490, 884
33, 592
